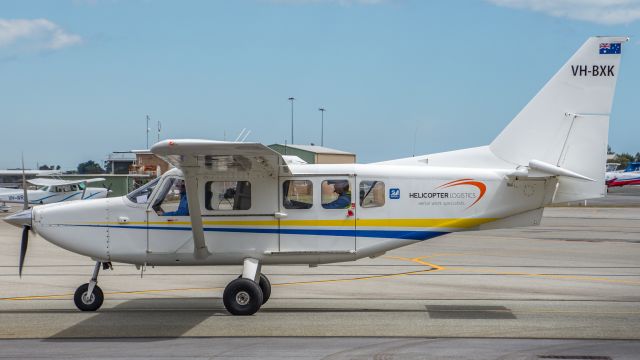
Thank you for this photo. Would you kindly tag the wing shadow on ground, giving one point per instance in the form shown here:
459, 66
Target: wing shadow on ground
159, 317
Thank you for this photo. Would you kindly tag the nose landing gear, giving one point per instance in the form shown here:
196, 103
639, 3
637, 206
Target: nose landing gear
89, 297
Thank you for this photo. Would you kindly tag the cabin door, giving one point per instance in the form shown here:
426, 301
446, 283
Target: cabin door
168, 221
317, 214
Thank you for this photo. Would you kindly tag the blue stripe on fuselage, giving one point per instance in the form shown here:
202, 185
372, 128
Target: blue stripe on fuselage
389, 234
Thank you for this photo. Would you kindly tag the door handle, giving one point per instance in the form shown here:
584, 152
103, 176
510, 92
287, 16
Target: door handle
280, 215
123, 220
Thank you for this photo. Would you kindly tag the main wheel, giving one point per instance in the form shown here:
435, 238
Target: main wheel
88, 302
265, 286
242, 297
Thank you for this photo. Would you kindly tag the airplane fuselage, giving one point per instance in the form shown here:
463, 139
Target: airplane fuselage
410, 204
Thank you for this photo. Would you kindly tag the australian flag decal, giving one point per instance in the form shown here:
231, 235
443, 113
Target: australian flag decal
610, 48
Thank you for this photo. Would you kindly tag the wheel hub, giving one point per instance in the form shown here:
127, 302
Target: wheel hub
88, 299
243, 298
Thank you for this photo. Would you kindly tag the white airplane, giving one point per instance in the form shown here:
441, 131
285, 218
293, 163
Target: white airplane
52, 191
246, 204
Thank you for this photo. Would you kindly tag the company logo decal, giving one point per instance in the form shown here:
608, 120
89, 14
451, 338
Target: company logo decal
394, 193
454, 198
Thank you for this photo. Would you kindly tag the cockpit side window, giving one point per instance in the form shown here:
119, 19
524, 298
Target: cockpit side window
172, 198
142, 194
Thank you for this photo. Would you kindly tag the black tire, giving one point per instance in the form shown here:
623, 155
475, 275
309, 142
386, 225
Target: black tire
95, 301
265, 286
242, 297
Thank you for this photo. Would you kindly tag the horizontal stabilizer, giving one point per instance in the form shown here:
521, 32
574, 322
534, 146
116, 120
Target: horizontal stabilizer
550, 169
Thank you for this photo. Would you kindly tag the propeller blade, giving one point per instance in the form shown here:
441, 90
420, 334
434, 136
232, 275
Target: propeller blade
23, 247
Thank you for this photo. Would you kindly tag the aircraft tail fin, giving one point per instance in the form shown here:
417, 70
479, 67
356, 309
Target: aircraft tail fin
566, 123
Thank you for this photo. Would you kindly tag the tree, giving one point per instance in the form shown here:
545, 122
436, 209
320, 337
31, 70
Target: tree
637, 158
45, 167
624, 159
90, 167
609, 151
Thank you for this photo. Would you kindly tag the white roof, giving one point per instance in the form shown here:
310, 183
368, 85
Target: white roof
30, 172
318, 149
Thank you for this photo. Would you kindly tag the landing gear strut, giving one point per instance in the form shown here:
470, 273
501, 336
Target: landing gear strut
89, 297
245, 295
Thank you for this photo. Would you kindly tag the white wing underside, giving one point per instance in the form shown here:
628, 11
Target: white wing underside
208, 157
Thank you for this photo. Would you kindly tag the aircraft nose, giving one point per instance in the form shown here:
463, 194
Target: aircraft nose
20, 219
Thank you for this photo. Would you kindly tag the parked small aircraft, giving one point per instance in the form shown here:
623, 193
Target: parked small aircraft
629, 176
229, 203
52, 191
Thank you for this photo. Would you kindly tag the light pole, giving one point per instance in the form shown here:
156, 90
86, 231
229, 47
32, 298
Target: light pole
322, 110
292, 99
148, 131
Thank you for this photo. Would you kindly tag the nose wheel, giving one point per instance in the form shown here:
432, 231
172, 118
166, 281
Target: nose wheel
89, 296
88, 301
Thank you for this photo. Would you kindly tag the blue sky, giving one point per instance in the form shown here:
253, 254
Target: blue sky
78, 77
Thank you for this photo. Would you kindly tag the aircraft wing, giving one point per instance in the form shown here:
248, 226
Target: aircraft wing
54, 182
208, 157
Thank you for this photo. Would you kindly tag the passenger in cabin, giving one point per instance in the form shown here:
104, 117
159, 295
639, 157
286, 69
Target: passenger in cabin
183, 207
340, 187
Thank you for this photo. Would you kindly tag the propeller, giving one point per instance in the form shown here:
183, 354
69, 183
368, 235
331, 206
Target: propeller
25, 228
23, 247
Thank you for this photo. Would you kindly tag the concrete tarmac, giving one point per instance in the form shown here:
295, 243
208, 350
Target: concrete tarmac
571, 284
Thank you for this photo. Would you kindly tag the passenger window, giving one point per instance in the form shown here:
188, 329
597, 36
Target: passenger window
336, 194
371, 193
298, 194
227, 195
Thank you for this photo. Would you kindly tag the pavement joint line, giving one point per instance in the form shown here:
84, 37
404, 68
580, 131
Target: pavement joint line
419, 260
550, 276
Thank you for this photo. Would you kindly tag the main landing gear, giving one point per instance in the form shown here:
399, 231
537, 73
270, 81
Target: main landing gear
245, 296
89, 297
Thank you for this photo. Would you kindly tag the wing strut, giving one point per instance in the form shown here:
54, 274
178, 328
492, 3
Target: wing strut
200, 247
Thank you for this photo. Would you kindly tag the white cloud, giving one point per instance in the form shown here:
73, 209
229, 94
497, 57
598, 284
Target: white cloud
608, 12
29, 35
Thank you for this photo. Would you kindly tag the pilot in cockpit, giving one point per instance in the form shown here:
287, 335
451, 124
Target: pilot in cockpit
183, 206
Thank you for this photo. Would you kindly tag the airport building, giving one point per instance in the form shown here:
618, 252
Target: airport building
313, 154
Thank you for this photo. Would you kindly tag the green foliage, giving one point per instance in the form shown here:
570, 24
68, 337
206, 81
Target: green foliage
90, 167
624, 159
